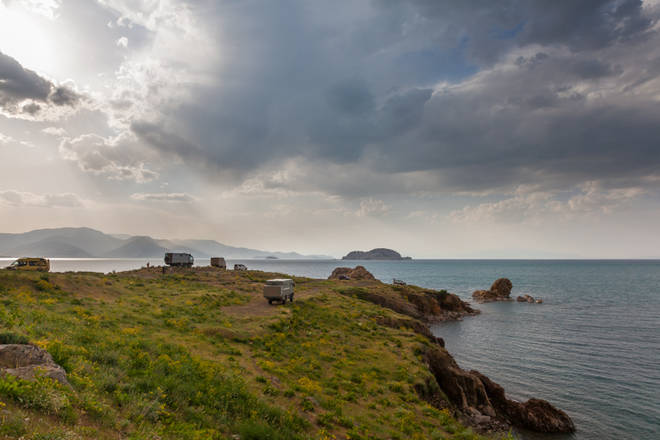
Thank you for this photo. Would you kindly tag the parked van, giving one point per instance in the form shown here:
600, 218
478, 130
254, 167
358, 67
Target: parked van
279, 289
240, 267
26, 263
219, 262
179, 259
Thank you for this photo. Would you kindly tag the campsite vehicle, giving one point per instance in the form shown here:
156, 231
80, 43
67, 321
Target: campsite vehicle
218, 262
398, 282
240, 267
27, 263
279, 289
179, 259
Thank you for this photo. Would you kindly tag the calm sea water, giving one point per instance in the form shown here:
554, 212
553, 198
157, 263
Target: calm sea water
592, 348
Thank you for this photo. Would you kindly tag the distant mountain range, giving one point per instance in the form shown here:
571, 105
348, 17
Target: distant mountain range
90, 243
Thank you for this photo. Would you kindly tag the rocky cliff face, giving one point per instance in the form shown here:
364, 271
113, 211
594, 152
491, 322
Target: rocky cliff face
483, 403
375, 254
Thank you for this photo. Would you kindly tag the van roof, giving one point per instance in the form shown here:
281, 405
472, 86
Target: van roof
279, 280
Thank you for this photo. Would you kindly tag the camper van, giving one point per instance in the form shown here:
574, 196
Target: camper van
279, 289
219, 262
179, 259
38, 264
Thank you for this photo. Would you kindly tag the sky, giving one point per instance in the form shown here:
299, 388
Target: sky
441, 129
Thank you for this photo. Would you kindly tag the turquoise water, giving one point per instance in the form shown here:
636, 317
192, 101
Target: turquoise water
592, 348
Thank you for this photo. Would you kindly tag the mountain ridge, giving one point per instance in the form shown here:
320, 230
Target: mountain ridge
86, 242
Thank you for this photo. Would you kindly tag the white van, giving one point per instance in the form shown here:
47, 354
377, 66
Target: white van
279, 289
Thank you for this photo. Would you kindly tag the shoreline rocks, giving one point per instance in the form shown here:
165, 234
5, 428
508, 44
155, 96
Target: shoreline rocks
483, 404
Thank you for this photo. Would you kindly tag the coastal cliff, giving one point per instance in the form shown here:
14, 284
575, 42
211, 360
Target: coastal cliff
375, 254
199, 353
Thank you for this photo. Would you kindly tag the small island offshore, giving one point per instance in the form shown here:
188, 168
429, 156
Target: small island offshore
375, 254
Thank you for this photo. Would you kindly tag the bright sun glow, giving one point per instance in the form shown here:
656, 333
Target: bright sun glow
24, 36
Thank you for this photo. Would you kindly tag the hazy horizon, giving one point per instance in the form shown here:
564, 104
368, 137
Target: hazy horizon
438, 129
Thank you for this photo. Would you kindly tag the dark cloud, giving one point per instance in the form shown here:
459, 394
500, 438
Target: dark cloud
18, 84
473, 95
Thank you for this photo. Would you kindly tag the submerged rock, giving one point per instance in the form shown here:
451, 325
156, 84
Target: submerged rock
27, 361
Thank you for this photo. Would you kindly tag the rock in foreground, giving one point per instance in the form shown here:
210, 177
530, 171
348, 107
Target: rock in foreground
27, 361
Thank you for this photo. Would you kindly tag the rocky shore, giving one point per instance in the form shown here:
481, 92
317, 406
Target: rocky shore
476, 400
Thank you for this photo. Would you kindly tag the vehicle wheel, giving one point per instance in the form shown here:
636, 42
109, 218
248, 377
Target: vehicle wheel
291, 297
270, 301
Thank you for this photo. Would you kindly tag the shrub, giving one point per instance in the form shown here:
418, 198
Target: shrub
13, 338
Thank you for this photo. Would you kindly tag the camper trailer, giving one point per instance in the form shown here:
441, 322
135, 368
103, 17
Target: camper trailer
279, 289
179, 259
35, 264
219, 262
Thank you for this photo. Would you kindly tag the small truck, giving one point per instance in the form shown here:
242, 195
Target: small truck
179, 259
279, 289
27, 263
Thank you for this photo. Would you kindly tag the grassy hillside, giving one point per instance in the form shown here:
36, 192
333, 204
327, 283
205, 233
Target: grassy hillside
201, 355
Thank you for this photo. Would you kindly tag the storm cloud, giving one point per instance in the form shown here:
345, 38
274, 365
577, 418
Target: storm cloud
560, 92
23, 90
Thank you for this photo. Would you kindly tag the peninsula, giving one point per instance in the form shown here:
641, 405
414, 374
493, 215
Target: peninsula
375, 254
199, 353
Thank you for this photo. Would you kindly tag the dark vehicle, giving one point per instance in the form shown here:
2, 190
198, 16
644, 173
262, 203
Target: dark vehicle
179, 259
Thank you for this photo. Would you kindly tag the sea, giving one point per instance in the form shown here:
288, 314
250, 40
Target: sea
592, 348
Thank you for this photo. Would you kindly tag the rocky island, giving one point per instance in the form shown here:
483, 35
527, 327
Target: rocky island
375, 254
199, 353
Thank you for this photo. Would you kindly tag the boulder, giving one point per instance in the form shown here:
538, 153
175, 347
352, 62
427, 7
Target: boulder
358, 273
499, 291
502, 287
27, 361
525, 298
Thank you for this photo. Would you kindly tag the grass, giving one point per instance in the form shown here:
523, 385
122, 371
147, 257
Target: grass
200, 355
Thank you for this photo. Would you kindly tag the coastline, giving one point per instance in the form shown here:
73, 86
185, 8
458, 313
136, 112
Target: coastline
406, 310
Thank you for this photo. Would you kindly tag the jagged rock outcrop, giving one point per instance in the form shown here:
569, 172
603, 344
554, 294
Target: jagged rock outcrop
416, 303
27, 361
375, 254
499, 291
483, 402
346, 273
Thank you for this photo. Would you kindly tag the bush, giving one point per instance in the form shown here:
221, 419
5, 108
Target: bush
13, 338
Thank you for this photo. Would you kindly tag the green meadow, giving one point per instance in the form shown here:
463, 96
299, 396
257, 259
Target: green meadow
199, 354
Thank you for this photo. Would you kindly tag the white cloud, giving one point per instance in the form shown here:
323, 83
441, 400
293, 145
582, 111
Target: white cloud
372, 207
46, 8
19, 199
534, 205
117, 158
122, 42
55, 131
163, 197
